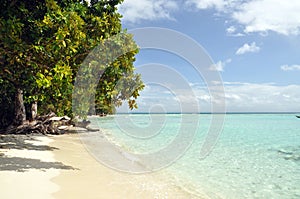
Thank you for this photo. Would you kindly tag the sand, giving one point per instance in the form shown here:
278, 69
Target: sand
60, 167
92, 180
27, 166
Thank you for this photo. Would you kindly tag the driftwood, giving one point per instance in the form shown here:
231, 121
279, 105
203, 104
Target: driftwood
48, 124
42, 125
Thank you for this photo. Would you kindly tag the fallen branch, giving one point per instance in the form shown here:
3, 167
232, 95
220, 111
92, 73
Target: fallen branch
48, 124
42, 125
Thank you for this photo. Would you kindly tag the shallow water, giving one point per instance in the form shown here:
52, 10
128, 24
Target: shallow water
256, 155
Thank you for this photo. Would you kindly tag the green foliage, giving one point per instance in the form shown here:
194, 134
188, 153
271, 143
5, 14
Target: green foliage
110, 64
6, 103
44, 43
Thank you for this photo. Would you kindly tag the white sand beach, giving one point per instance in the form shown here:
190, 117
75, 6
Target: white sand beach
27, 165
60, 167
92, 180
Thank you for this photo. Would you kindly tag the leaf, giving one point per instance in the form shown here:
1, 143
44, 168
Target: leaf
64, 43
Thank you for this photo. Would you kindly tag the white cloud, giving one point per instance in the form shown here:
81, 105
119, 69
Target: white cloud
248, 48
239, 97
290, 68
269, 15
252, 97
259, 16
232, 31
206, 4
262, 97
225, 6
219, 66
135, 11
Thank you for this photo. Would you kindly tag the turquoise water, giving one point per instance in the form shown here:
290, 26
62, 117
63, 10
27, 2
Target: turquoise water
256, 155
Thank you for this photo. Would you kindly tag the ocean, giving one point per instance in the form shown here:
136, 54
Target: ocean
254, 156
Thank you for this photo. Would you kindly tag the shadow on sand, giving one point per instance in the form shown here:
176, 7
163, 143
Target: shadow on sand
19, 164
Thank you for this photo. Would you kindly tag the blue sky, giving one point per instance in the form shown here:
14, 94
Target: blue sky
254, 44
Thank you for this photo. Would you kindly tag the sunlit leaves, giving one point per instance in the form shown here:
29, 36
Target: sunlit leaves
44, 43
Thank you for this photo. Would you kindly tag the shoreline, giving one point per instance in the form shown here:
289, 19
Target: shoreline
60, 167
93, 180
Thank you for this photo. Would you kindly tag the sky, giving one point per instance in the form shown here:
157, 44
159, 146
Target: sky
254, 46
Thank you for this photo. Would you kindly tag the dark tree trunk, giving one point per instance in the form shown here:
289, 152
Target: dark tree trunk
20, 115
31, 111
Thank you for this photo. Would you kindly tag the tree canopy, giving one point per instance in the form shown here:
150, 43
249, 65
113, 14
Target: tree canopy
43, 44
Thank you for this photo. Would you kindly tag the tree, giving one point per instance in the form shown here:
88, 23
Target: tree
42, 47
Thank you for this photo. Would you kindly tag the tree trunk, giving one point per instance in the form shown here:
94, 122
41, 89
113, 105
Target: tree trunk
20, 115
31, 111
